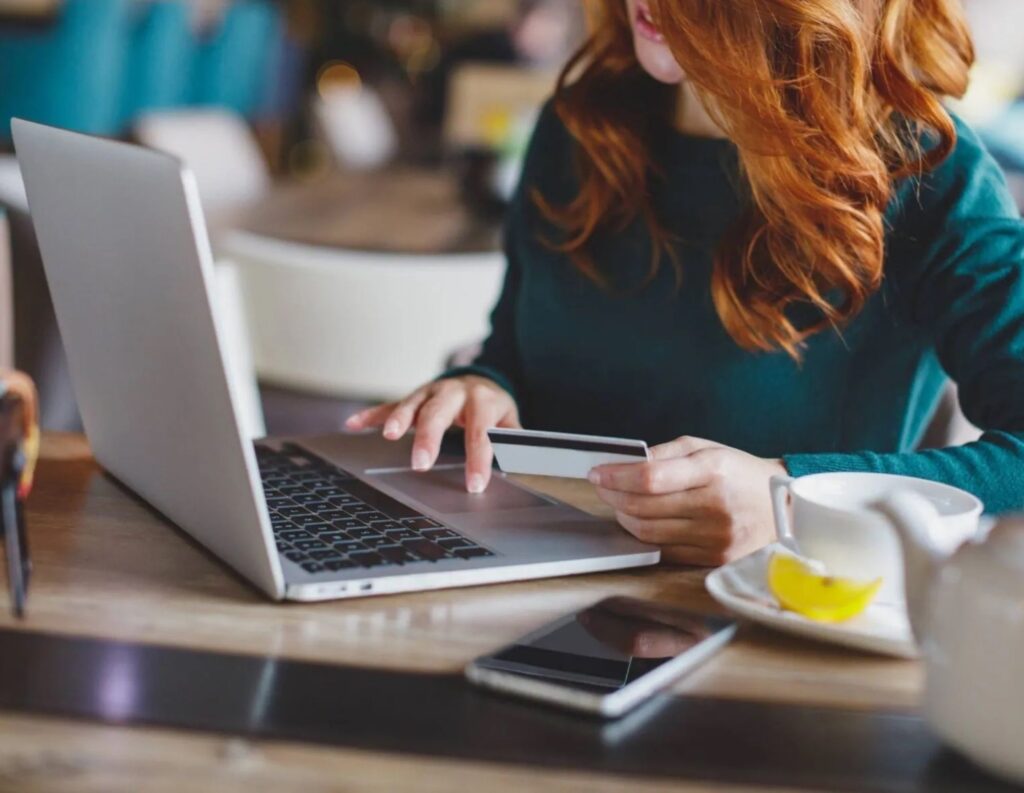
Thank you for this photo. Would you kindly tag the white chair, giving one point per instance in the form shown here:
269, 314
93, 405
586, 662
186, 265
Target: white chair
220, 149
356, 126
356, 324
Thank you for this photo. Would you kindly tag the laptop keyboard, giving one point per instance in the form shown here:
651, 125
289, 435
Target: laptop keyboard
326, 520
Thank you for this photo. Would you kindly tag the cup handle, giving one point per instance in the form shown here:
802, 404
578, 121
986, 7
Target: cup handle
780, 492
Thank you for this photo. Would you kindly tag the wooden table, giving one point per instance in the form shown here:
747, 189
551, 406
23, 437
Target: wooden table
29, 10
106, 566
401, 209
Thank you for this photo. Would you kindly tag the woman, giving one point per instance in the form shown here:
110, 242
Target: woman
751, 226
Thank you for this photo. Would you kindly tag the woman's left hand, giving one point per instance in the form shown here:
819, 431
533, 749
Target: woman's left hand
703, 503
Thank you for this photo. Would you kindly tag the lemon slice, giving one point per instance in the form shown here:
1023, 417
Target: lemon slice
818, 597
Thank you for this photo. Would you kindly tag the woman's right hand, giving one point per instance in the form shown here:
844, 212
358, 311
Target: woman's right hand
474, 403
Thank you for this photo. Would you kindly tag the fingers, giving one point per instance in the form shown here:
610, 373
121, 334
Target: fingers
653, 478
671, 531
371, 417
681, 447
436, 407
511, 419
483, 411
480, 415
680, 504
433, 419
396, 417
405, 413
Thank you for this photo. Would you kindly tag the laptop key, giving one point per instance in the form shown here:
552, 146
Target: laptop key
363, 533
452, 543
310, 501
320, 462
420, 522
275, 502
381, 501
306, 519
337, 565
310, 545
348, 524
292, 490
322, 556
295, 556
425, 549
385, 525
330, 490
369, 559
402, 534
296, 534
332, 513
440, 534
348, 546
344, 501
375, 542
472, 553
312, 567
291, 512
396, 554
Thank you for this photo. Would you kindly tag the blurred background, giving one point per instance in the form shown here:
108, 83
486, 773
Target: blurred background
354, 159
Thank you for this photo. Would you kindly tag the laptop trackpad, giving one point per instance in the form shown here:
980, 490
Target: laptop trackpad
444, 490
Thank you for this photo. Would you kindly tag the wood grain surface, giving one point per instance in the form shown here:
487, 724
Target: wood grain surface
106, 566
399, 210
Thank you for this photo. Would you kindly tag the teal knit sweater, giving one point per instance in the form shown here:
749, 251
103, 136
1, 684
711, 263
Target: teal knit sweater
655, 362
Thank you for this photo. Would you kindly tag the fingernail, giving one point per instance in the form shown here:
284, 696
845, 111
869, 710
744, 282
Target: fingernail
420, 460
391, 430
594, 477
352, 421
476, 484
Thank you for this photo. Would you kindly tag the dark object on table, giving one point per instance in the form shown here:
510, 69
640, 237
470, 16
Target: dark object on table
476, 169
19, 444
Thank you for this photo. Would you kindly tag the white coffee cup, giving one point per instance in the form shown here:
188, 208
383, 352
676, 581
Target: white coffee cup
834, 521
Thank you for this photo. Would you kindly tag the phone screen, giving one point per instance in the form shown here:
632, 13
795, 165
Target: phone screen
607, 646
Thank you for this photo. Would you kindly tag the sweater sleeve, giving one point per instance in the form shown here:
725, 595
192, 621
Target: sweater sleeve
959, 245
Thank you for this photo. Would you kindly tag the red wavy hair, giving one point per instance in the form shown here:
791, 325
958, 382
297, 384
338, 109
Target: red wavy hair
827, 102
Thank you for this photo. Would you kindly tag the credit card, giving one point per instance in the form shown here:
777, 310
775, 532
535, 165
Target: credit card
561, 454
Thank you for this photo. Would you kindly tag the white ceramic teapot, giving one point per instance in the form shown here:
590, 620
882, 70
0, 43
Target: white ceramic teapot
967, 613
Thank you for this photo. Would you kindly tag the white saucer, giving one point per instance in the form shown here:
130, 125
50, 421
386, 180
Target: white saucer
742, 588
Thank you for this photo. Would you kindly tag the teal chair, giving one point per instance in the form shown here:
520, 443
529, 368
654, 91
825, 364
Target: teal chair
69, 74
234, 68
160, 59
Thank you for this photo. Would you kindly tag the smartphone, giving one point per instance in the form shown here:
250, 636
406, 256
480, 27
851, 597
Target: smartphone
606, 659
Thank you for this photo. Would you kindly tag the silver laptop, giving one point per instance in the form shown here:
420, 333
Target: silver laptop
129, 264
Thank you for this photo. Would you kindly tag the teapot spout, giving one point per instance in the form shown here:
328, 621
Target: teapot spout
913, 517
